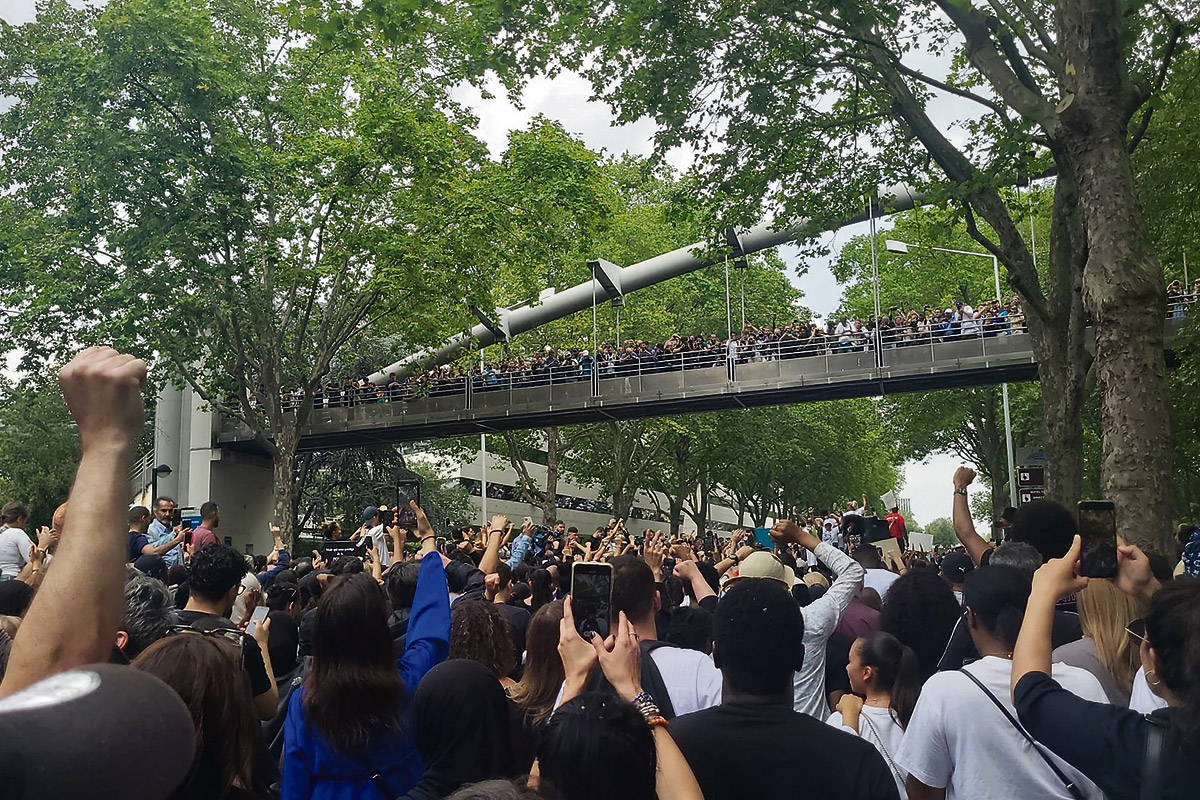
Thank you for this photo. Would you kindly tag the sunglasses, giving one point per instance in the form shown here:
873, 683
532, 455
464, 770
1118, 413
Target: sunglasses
1137, 630
235, 638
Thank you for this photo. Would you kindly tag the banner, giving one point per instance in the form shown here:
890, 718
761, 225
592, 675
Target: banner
920, 542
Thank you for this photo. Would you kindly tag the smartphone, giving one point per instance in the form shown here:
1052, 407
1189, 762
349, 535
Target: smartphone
405, 491
176, 517
1098, 534
591, 597
386, 515
260, 613
762, 538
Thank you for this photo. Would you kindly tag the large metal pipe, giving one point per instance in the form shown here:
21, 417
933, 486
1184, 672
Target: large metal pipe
633, 277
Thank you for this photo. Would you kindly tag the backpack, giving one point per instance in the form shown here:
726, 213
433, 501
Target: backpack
652, 680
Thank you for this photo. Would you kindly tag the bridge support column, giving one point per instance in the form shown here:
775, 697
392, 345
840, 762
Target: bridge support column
238, 482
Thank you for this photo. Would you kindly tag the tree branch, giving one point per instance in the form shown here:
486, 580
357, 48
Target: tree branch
1163, 68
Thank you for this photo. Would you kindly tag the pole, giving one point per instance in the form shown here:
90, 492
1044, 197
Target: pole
875, 277
728, 313
1186, 282
153, 488
482, 458
1008, 439
618, 327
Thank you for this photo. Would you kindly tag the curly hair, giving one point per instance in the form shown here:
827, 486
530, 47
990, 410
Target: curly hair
920, 610
478, 632
214, 570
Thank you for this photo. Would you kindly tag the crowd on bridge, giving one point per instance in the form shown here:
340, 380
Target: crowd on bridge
821, 657
896, 328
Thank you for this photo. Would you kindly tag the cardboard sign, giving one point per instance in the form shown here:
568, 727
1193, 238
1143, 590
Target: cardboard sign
888, 547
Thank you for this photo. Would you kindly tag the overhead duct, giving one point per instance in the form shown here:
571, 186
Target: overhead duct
618, 282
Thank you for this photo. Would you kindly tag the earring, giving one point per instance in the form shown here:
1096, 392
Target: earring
1156, 680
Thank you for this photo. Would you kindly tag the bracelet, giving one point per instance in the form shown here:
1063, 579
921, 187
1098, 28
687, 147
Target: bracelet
657, 721
963, 492
646, 706
430, 536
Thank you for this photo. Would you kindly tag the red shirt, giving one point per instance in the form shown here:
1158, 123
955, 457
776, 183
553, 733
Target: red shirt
203, 536
895, 524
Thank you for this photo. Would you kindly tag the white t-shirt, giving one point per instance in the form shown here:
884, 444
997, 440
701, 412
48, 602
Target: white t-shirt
14, 551
958, 740
693, 682
887, 742
1141, 699
383, 544
820, 619
969, 325
880, 580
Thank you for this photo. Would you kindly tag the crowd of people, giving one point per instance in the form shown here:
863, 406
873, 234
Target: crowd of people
754, 343
896, 328
390, 663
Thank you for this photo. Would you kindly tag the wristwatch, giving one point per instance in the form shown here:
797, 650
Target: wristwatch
734, 558
963, 492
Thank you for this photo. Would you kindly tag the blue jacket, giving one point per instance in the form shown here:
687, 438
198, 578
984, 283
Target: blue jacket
312, 768
267, 576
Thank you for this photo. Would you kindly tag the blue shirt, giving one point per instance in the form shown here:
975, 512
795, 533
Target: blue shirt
313, 768
520, 547
267, 576
161, 534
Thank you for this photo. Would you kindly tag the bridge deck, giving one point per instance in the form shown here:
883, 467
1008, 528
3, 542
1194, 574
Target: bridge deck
823, 377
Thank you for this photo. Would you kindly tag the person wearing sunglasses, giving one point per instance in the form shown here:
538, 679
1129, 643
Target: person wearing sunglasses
215, 576
1125, 753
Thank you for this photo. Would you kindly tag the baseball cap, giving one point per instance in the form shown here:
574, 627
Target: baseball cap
68, 736
761, 564
369, 513
955, 567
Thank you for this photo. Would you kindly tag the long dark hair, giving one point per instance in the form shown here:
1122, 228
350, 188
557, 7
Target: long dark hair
1173, 631
353, 692
542, 586
206, 672
920, 611
543, 675
896, 669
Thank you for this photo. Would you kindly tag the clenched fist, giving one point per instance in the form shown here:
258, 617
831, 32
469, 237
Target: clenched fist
103, 390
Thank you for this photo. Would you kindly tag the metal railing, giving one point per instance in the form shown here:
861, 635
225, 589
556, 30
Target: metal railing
577, 380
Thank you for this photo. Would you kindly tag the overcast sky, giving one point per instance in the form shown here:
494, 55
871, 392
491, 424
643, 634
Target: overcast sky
567, 99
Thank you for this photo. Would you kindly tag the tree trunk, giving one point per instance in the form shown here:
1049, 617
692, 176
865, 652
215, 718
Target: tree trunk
1123, 284
283, 470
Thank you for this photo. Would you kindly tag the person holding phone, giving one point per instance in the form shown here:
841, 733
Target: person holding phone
1127, 754
162, 530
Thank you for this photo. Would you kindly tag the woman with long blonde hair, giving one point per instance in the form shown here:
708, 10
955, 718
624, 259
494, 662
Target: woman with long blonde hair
1106, 649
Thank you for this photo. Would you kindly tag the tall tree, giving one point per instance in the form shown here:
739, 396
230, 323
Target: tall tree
789, 103
201, 183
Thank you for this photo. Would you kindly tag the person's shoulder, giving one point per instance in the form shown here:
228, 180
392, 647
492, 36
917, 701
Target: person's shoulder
1079, 682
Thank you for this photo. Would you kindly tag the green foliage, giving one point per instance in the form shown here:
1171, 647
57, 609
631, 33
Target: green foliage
39, 449
942, 531
340, 484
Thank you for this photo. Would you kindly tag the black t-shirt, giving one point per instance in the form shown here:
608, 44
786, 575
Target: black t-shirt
1106, 743
136, 542
518, 625
771, 751
961, 650
252, 660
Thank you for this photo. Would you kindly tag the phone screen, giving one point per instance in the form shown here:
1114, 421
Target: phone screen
1098, 535
260, 613
591, 597
405, 491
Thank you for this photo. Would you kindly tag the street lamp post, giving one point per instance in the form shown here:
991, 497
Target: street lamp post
895, 246
161, 469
